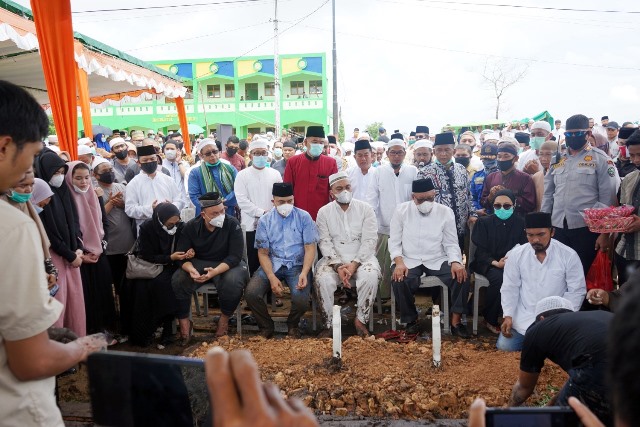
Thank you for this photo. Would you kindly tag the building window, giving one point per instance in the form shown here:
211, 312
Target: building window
251, 91
229, 91
297, 88
270, 89
213, 91
315, 87
253, 131
296, 130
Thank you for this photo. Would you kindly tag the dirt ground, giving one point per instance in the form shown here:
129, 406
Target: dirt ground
378, 379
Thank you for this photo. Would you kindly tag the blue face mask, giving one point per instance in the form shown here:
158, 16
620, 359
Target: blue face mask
504, 214
20, 197
260, 161
315, 150
490, 164
38, 209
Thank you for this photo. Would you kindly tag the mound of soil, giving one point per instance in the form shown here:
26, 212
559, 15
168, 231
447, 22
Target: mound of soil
390, 380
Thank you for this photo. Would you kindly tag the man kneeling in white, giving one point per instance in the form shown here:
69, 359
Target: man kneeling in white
543, 268
348, 232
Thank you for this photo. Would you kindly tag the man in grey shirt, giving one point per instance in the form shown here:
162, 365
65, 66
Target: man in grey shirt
583, 177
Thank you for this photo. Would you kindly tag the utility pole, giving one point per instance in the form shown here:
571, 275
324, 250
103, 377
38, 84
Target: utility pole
276, 72
335, 73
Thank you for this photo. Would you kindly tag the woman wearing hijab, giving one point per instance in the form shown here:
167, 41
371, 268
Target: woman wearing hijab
96, 274
151, 302
19, 197
41, 195
494, 236
102, 146
59, 218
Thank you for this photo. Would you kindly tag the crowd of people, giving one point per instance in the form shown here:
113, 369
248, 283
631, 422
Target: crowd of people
370, 215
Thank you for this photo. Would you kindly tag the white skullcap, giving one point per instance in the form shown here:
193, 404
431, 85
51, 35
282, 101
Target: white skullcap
337, 177
542, 125
54, 148
258, 143
84, 141
150, 131
348, 146
52, 138
486, 131
422, 143
396, 142
98, 161
84, 150
203, 143
492, 136
131, 147
377, 144
509, 139
553, 303
116, 141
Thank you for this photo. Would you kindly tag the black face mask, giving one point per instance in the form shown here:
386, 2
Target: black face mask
505, 165
149, 167
576, 142
107, 177
232, 151
179, 145
122, 154
464, 161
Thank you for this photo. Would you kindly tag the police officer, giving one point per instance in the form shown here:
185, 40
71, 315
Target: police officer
488, 155
582, 177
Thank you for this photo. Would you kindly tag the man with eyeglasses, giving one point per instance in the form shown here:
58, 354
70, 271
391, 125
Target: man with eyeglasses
423, 240
422, 132
213, 175
360, 175
390, 187
451, 182
583, 177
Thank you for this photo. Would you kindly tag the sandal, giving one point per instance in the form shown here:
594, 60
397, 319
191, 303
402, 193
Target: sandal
279, 302
184, 341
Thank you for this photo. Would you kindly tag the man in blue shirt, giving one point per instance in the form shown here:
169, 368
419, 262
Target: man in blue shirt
213, 175
286, 241
488, 155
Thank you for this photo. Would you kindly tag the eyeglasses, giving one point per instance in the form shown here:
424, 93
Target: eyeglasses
420, 137
506, 206
576, 133
209, 153
395, 153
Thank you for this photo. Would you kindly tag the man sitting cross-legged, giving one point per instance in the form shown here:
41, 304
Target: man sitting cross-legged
286, 242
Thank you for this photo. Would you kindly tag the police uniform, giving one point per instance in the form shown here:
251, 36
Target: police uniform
575, 183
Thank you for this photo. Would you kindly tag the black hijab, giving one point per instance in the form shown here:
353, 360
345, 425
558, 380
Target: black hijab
161, 213
59, 217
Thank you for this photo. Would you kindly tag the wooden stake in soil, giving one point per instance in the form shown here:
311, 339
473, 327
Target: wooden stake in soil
435, 332
337, 332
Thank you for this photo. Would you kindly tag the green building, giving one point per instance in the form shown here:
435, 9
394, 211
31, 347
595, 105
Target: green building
232, 92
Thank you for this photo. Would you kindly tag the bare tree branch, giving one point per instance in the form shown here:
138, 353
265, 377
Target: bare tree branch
500, 75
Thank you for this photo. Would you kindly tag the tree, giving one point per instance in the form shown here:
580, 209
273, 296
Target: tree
341, 128
373, 129
500, 75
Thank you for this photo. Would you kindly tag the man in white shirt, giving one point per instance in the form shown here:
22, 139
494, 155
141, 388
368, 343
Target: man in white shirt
175, 165
360, 176
391, 186
253, 186
424, 240
528, 161
348, 236
558, 132
149, 188
543, 268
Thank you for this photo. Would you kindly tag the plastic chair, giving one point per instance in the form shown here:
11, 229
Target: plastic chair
427, 282
479, 282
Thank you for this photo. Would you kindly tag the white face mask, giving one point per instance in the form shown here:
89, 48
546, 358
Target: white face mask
285, 209
80, 190
217, 221
170, 231
56, 180
425, 207
333, 151
170, 154
344, 197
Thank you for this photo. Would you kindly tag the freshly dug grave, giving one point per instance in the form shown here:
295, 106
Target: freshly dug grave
386, 379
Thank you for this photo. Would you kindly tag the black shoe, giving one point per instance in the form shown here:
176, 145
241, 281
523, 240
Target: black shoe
294, 333
412, 328
266, 333
460, 330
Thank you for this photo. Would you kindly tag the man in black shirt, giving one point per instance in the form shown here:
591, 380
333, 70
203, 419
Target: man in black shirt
577, 342
216, 239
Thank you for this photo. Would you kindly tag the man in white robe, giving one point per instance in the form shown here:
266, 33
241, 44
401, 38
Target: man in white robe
391, 186
361, 175
348, 236
543, 268
149, 188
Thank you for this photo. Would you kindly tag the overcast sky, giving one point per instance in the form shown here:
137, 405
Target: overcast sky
409, 62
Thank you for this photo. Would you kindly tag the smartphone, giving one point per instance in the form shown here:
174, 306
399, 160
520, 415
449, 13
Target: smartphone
135, 389
546, 416
54, 290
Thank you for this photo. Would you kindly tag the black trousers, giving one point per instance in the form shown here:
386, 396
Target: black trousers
625, 268
580, 240
405, 290
252, 252
492, 300
118, 264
